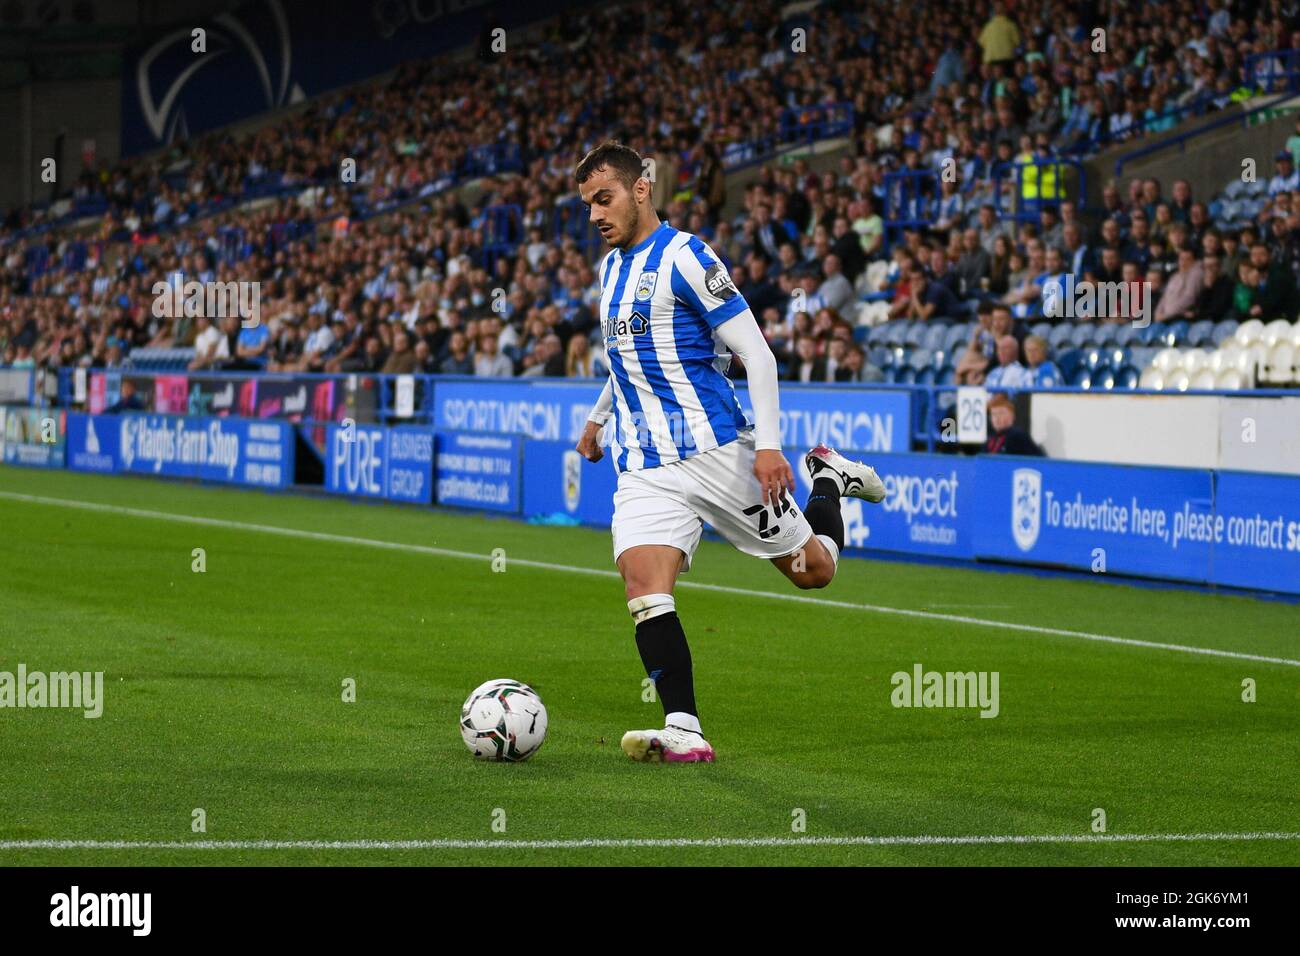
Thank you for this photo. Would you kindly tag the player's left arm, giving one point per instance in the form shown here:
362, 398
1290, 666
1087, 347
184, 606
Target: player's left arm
743, 337
702, 282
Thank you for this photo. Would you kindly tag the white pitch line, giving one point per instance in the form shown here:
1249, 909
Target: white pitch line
1005, 840
601, 572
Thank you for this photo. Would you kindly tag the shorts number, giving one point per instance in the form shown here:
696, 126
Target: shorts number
780, 508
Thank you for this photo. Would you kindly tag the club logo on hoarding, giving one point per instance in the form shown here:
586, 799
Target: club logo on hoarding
572, 479
1026, 500
126, 441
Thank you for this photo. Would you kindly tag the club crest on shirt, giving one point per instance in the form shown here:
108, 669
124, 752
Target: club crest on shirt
645, 286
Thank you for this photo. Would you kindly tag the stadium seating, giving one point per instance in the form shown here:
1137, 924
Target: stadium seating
1267, 355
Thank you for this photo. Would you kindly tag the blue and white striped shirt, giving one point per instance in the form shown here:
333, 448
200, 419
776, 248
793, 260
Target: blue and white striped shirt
660, 304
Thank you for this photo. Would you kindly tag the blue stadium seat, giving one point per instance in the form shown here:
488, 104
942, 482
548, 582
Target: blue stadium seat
860, 334
1178, 332
935, 336
1069, 362
1149, 334
1142, 355
877, 335
1095, 359
881, 357
1118, 357
1125, 334
1127, 377
1060, 336
1082, 378
905, 375
926, 376
957, 336
920, 358
947, 375
1081, 334
1199, 333
916, 332
1104, 379
896, 331
1103, 334
1223, 331
1041, 329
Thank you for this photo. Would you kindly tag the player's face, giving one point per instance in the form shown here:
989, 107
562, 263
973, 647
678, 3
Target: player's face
614, 209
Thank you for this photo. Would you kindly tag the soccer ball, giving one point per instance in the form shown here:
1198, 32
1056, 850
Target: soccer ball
503, 720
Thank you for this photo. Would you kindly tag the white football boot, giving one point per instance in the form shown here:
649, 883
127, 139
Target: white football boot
671, 745
855, 479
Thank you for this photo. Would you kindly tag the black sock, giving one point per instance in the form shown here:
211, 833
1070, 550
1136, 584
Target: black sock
823, 510
667, 660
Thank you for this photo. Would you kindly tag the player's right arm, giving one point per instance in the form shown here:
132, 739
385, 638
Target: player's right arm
589, 443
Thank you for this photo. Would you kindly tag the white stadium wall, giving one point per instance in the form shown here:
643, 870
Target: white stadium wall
1260, 434
1186, 431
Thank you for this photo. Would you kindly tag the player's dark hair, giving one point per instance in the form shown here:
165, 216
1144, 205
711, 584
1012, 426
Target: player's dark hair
624, 161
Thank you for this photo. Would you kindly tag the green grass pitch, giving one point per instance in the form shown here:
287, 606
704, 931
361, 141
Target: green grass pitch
223, 691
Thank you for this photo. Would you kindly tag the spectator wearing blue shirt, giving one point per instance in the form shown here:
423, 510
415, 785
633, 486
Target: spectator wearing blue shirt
1009, 373
1159, 118
950, 207
1287, 179
251, 346
1052, 282
1043, 373
949, 69
128, 400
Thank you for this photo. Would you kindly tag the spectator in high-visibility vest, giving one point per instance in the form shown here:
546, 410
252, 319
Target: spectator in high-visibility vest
1049, 170
1039, 177
1028, 176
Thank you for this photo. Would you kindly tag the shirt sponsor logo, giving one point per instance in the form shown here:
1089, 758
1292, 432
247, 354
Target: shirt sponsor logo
718, 281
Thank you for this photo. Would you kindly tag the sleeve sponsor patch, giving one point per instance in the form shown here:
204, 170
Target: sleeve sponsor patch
718, 281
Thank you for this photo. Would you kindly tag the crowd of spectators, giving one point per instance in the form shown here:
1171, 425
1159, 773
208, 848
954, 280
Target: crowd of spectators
431, 287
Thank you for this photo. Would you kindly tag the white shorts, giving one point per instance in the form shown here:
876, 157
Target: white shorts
669, 504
